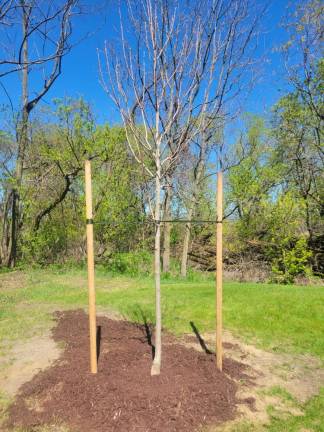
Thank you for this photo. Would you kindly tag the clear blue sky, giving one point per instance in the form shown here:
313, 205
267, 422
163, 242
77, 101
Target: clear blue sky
80, 67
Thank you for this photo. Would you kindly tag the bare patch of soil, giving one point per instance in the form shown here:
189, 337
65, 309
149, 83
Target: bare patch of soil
189, 393
25, 360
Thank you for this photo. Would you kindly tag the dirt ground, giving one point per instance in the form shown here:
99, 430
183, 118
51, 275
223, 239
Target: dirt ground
58, 389
189, 393
25, 360
302, 376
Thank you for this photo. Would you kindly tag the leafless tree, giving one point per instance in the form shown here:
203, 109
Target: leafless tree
304, 49
172, 65
148, 81
5, 7
35, 36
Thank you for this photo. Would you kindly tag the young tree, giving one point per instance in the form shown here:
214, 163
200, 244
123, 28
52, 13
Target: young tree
170, 68
148, 83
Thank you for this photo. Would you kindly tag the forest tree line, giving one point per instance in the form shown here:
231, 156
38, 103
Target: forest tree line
273, 204
273, 169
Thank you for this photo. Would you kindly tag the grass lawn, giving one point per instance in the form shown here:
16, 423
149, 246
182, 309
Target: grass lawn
279, 318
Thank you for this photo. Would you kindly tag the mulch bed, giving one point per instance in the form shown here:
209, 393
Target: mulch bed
123, 397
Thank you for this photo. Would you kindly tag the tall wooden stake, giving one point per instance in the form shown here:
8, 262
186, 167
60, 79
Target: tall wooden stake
219, 271
91, 286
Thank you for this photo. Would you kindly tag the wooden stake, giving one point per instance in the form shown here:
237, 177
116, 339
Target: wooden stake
90, 256
219, 271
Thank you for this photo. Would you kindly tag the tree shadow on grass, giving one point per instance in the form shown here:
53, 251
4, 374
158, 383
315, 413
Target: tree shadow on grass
201, 341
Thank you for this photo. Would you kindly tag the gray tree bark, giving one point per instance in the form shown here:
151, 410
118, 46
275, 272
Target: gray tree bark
198, 172
22, 144
156, 366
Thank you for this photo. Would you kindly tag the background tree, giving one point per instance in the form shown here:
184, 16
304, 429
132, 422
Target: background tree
35, 37
298, 120
202, 146
53, 185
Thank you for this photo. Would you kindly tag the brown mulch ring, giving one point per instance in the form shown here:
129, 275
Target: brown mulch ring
189, 393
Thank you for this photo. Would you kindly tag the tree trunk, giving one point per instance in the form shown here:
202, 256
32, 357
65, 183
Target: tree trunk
22, 144
166, 230
185, 248
15, 213
219, 272
156, 366
199, 169
6, 237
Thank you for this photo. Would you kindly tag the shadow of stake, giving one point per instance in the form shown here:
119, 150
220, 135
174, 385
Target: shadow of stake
201, 341
98, 341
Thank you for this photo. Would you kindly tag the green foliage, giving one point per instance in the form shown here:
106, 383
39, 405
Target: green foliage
54, 208
276, 218
273, 194
292, 262
131, 263
252, 182
46, 246
115, 188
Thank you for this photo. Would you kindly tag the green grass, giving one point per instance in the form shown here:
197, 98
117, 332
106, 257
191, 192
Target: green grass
279, 318
281, 420
312, 420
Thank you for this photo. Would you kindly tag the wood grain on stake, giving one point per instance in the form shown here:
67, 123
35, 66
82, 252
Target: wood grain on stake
91, 286
219, 271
